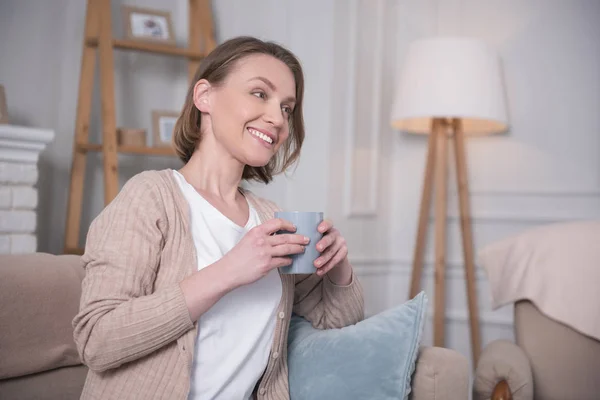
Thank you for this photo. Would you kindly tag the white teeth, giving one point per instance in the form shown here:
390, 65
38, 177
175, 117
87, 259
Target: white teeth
261, 135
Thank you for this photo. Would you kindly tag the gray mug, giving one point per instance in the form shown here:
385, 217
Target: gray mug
306, 224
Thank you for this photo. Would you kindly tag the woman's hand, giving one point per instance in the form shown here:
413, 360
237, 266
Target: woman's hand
260, 251
334, 255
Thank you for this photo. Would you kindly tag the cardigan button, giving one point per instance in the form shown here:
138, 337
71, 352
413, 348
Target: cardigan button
281, 315
275, 355
262, 391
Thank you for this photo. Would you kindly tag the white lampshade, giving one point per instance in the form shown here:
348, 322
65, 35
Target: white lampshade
450, 77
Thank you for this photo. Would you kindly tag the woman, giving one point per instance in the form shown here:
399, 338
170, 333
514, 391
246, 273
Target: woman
182, 297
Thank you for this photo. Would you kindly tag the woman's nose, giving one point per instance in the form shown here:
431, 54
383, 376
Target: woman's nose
274, 115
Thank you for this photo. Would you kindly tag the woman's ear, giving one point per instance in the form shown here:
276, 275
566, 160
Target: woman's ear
201, 95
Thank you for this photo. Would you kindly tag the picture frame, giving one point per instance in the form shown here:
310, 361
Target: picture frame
163, 124
3, 106
148, 25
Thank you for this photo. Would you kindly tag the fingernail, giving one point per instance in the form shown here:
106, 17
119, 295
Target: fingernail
306, 239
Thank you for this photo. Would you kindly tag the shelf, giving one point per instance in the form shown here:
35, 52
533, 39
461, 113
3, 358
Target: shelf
151, 151
149, 47
77, 252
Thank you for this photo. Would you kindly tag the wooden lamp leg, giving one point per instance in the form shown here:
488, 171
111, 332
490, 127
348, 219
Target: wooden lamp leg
467, 237
440, 236
417, 268
437, 159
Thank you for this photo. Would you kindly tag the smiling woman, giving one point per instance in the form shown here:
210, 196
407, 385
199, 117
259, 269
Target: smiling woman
266, 71
182, 297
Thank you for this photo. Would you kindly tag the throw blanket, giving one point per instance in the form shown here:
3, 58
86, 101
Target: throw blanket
556, 267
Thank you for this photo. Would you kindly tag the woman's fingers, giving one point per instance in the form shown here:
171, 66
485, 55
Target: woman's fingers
287, 249
335, 260
325, 226
326, 255
275, 225
326, 242
287, 238
278, 262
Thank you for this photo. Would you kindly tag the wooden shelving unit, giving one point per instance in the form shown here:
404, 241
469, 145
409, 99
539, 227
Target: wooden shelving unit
149, 151
126, 44
99, 42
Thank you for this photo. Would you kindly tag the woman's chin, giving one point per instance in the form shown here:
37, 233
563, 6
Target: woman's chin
257, 163
258, 158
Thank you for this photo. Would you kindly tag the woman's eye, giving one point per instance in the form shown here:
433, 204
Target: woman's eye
260, 95
287, 109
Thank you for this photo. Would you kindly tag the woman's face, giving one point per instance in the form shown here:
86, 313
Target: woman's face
250, 112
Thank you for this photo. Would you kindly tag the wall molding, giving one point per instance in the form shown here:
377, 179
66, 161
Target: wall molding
518, 219
395, 266
485, 318
460, 317
383, 268
351, 210
551, 192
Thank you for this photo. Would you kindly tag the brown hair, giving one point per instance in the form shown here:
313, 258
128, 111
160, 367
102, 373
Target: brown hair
215, 68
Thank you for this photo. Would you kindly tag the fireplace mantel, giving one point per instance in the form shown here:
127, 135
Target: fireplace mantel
20, 148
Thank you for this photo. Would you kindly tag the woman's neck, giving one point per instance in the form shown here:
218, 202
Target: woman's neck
212, 171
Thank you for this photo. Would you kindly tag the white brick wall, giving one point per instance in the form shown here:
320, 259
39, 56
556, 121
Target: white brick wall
17, 243
25, 243
19, 151
24, 197
4, 244
17, 221
16, 173
18, 197
5, 198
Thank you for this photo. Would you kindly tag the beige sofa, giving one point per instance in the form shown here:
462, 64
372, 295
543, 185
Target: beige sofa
549, 361
550, 273
39, 296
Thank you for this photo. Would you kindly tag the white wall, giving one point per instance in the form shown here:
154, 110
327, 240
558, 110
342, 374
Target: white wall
546, 169
366, 176
42, 75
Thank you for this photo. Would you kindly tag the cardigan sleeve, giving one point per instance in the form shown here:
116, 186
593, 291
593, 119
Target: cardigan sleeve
121, 318
327, 305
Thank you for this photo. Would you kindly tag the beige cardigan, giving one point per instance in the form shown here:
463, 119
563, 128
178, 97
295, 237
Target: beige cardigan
133, 329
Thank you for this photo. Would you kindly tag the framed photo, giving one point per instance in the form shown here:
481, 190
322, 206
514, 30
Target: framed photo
163, 124
3, 107
148, 25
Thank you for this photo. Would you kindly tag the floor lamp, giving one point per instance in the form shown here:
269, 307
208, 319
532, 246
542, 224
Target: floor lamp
448, 88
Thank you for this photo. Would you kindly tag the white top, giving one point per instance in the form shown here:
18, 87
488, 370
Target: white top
235, 335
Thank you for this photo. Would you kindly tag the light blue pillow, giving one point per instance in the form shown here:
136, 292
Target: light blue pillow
373, 359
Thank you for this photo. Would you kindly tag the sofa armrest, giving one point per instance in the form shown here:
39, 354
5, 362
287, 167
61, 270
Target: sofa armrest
503, 369
440, 374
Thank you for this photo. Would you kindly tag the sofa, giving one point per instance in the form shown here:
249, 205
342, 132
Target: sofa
550, 275
39, 296
547, 361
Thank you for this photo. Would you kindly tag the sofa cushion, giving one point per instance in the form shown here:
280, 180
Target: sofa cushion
58, 384
40, 295
373, 359
440, 374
